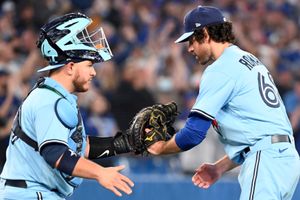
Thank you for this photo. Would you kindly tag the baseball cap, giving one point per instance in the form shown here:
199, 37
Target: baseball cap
198, 18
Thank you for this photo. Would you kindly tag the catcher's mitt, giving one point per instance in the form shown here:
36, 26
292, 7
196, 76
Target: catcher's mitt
159, 118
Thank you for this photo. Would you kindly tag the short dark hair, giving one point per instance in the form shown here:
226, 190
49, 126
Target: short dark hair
218, 33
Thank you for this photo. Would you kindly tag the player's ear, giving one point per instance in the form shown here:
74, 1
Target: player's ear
70, 68
206, 35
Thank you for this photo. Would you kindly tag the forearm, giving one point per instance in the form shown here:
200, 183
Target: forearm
99, 147
85, 168
164, 147
192, 134
109, 177
225, 164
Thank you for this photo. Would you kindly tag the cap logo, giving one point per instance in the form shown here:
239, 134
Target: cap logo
197, 24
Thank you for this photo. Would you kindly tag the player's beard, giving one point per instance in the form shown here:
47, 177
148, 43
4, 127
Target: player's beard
206, 60
204, 56
80, 84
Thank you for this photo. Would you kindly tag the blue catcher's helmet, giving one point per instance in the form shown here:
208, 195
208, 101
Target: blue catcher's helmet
67, 39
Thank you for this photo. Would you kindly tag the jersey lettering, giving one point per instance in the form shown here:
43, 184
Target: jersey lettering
250, 61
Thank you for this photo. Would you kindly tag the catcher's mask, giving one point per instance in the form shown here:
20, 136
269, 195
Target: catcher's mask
66, 39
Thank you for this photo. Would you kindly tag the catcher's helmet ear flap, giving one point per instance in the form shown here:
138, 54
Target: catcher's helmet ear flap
66, 39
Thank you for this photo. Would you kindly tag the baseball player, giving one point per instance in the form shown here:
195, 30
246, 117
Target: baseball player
238, 96
49, 151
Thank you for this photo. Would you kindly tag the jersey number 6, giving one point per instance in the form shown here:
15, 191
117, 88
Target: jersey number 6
268, 92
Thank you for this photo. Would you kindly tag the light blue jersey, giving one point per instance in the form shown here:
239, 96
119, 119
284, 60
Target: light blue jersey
238, 91
40, 122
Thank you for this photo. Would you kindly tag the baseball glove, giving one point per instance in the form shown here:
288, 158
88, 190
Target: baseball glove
159, 119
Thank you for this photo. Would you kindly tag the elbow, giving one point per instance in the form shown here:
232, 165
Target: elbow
196, 141
186, 140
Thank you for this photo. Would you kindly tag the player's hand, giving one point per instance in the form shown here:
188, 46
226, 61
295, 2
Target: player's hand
206, 175
111, 179
156, 148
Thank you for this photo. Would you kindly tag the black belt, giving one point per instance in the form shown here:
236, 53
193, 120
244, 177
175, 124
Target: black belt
16, 183
274, 139
20, 184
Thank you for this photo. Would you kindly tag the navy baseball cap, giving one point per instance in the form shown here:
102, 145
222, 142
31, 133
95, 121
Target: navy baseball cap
198, 18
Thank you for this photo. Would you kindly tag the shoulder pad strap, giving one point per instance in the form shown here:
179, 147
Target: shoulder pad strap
66, 113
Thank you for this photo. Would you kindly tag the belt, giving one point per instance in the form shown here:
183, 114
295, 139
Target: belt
21, 184
274, 139
16, 183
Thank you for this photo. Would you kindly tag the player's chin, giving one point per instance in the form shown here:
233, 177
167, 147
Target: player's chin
86, 88
83, 88
88, 85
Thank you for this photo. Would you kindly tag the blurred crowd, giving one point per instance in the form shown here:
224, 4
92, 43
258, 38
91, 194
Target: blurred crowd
147, 66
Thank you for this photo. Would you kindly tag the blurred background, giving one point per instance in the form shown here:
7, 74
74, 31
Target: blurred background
149, 68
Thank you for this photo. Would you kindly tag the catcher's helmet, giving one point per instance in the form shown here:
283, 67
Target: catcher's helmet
66, 39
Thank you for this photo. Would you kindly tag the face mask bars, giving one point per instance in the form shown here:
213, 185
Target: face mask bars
95, 39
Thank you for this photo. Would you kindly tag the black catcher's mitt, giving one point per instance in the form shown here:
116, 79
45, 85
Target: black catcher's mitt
159, 118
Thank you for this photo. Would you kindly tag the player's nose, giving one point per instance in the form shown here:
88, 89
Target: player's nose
93, 72
190, 49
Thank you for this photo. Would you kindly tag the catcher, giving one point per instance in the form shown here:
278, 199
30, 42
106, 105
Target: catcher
49, 152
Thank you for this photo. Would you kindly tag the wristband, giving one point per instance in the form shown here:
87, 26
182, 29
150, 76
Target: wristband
68, 161
101, 147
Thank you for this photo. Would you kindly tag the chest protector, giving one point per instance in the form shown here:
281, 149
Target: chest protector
64, 117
